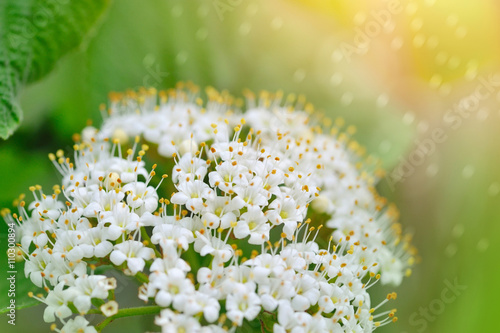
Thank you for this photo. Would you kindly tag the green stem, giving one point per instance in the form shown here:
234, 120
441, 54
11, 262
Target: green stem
145, 237
143, 278
91, 311
192, 258
128, 312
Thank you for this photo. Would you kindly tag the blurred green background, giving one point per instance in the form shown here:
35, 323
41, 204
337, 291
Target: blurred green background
397, 88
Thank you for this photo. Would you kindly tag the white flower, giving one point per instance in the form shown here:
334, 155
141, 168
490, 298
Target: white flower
321, 204
307, 293
189, 168
132, 252
121, 221
253, 223
266, 265
202, 303
128, 169
275, 290
109, 309
33, 230
172, 322
73, 220
57, 303
240, 231
36, 266
169, 235
220, 250
227, 175
102, 203
252, 194
391, 267
333, 297
77, 324
173, 287
191, 194
88, 287
221, 211
286, 211
60, 269
170, 260
242, 306
307, 323
139, 195
98, 238
71, 244
46, 206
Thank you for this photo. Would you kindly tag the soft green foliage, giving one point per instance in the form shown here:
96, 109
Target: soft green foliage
34, 34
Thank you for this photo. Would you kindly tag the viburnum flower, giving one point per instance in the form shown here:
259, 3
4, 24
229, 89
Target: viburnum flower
134, 253
265, 217
78, 324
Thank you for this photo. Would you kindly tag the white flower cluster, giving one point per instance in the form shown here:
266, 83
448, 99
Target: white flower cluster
241, 238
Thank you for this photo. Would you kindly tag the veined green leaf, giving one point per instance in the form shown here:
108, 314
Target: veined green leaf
34, 34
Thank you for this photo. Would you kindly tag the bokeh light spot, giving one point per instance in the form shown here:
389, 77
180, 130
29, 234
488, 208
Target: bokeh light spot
385, 146
277, 23
441, 58
408, 118
245, 28
418, 40
411, 8
451, 250
181, 57
336, 79
483, 245
382, 100
432, 170
252, 9
416, 24
346, 98
202, 34
468, 171
452, 20
458, 230
435, 81
177, 11
299, 75
432, 42
494, 189
359, 18
397, 43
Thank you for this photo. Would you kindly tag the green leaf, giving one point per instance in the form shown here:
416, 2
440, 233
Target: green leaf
34, 34
250, 326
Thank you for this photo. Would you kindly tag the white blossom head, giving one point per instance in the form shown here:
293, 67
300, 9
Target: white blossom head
264, 214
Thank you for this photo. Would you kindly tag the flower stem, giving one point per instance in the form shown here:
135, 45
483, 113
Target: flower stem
128, 312
145, 237
192, 258
143, 278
